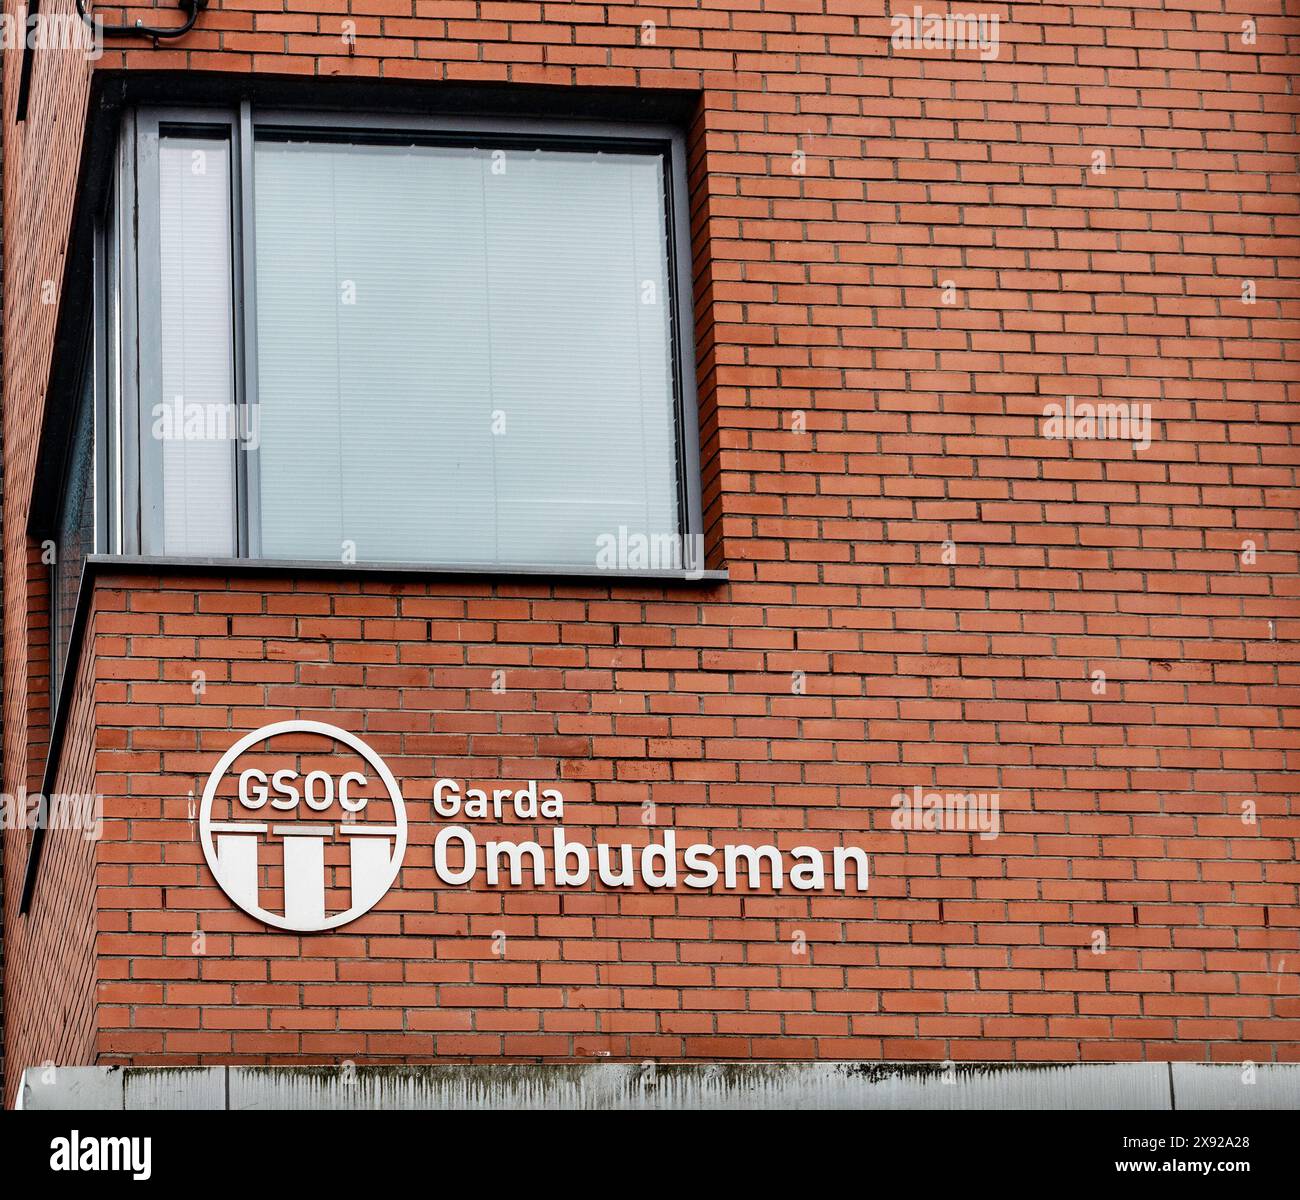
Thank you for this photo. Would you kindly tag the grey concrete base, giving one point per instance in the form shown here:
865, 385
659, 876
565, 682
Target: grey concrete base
1117, 1086
1198, 1085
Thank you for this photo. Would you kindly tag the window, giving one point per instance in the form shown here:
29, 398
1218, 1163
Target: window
399, 342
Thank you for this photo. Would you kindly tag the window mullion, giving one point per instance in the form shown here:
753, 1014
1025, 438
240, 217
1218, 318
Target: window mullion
246, 465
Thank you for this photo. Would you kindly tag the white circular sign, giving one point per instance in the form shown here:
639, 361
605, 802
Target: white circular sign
241, 852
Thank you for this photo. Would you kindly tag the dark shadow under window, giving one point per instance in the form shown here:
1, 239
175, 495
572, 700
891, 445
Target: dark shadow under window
75, 532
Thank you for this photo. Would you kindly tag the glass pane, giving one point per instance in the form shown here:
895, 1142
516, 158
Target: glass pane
76, 529
464, 354
193, 420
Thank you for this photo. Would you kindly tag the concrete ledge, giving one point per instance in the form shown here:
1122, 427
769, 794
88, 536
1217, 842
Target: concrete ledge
881, 1086
1236, 1086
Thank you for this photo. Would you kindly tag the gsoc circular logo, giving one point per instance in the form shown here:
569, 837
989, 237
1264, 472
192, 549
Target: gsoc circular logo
306, 833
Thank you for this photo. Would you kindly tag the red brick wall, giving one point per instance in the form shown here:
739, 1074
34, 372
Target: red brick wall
51, 980
48, 980
854, 423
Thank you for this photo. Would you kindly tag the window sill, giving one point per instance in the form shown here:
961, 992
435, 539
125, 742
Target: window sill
101, 563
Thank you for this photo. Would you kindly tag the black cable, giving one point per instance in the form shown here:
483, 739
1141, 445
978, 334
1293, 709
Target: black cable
140, 29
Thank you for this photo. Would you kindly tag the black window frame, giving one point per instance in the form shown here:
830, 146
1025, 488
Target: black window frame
137, 480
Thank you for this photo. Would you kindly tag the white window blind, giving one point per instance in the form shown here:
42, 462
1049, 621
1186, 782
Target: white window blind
464, 353
197, 360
